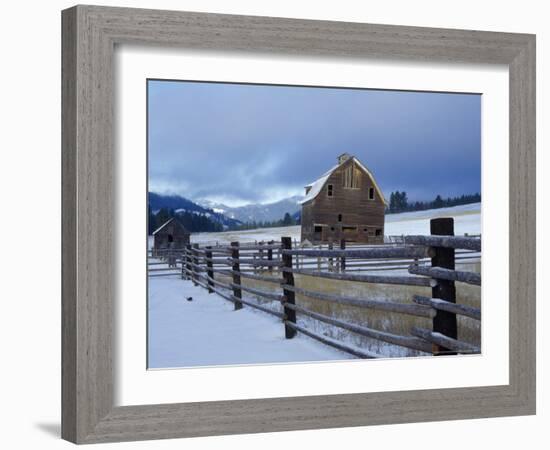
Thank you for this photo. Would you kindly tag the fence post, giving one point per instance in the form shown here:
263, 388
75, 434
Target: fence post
288, 277
444, 322
188, 261
270, 255
343, 258
237, 292
195, 261
297, 256
209, 265
330, 260
261, 252
183, 263
171, 258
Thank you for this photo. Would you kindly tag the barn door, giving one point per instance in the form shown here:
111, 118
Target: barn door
318, 233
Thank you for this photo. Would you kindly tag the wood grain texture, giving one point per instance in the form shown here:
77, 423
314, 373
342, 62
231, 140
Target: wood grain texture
347, 213
89, 202
68, 227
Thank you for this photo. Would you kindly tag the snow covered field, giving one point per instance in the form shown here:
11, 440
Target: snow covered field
467, 220
207, 331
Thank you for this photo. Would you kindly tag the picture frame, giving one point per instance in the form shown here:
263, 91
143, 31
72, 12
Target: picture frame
90, 34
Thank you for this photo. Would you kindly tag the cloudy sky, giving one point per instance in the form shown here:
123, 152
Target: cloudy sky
239, 144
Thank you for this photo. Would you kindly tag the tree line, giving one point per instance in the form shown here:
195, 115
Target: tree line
193, 222
286, 221
400, 203
199, 222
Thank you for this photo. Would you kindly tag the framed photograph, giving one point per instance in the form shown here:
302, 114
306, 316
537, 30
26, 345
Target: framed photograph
278, 224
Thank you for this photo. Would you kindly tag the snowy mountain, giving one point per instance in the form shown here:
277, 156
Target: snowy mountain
257, 212
228, 216
181, 205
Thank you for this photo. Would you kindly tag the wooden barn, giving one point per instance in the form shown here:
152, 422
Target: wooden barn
345, 203
171, 234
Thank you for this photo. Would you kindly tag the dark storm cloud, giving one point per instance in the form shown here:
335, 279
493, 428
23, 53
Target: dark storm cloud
248, 143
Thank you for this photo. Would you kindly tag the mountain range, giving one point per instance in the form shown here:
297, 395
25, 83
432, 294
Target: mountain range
227, 215
258, 212
181, 205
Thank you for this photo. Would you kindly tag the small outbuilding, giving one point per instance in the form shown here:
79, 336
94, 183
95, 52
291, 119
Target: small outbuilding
171, 234
344, 203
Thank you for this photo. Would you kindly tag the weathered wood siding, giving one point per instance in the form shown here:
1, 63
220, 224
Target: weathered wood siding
180, 236
361, 217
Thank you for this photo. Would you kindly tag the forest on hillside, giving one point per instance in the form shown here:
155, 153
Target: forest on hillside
192, 221
399, 202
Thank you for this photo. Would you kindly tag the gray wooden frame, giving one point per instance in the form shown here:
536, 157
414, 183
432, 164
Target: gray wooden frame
89, 36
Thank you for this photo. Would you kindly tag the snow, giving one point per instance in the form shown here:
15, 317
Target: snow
467, 220
317, 185
441, 212
197, 213
208, 331
246, 236
162, 226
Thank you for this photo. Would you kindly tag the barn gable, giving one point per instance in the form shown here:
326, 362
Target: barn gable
175, 223
313, 189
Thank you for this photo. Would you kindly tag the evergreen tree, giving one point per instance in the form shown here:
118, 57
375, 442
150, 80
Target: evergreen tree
438, 202
399, 202
287, 220
392, 202
163, 216
151, 221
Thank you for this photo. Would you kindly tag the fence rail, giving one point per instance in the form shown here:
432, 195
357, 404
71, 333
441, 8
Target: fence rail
466, 243
368, 253
428, 261
446, 274
378, 279
442, 305
330, 264
381, 305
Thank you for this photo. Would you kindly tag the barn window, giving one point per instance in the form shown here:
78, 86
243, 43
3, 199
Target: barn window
170, 238
329, 190
351, 177
318, 229
378, 232
371, 193
331, 228
339, 217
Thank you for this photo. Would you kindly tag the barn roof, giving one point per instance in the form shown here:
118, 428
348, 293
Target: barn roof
173, 219
317, 185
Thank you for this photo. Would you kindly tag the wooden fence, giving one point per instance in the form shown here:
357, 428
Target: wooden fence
315, 263
429, 260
